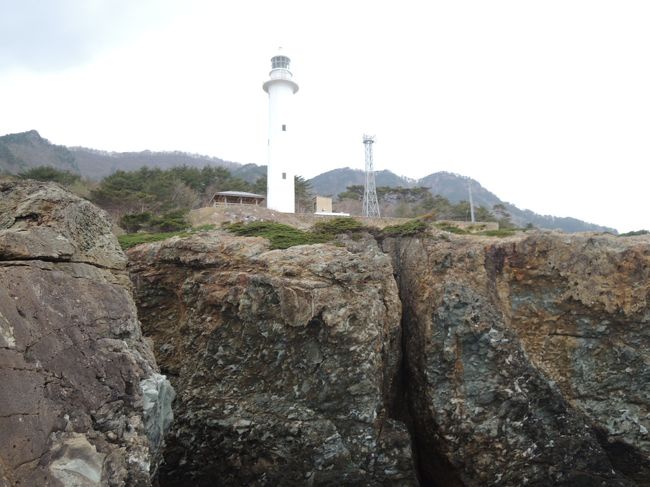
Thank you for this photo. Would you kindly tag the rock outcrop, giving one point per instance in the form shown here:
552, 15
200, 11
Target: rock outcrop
521, 361
285, 362
81, 401
526, 359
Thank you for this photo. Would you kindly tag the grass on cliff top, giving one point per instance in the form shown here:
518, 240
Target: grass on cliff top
132, 239
283, 236
501, 232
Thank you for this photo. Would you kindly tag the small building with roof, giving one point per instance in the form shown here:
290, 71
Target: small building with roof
236, 198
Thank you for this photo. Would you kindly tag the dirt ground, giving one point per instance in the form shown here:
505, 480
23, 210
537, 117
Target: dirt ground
234, 213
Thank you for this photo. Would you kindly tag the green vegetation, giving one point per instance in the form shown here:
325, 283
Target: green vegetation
157, 200
283, 236
280, 236
158, 191
634, 233
415, 202
501, 232
172, 221
204, 228
338, 225
47, 173
406, 229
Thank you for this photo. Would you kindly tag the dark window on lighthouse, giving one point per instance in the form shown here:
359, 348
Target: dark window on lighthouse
284, 175
280, 62
284, 128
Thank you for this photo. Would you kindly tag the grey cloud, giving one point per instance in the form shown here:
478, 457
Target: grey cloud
53, 34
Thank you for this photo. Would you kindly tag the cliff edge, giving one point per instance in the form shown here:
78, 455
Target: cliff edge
517, 361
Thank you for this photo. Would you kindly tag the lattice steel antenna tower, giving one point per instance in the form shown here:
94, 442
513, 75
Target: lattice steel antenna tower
370, 203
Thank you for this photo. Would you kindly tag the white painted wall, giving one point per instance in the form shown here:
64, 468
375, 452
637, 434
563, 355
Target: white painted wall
280, 194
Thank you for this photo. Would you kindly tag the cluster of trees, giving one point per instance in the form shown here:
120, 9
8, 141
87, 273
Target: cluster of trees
413, 202
155, 199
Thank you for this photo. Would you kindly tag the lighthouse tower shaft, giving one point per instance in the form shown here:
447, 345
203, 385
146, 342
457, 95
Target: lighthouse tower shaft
280, 195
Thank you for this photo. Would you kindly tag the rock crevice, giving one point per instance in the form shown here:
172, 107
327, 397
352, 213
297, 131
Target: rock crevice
438, 360
294, 356
526, 359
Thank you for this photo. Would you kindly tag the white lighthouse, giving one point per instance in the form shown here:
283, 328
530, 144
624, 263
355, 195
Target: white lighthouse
280, 193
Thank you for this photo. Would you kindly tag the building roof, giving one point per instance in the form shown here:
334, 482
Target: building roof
241, 194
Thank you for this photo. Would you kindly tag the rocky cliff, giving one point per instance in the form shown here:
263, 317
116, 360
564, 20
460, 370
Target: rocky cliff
526, 360
521, 361
285, 361
434, 359
81, 401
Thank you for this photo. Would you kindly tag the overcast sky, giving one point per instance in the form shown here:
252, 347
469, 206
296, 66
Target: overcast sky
545, 103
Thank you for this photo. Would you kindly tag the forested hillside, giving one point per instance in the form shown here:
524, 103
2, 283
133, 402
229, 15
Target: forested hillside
159, 199
27, 151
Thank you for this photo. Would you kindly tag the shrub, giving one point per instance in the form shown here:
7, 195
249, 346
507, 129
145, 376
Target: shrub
280, 236
338, 225
411, 227
48, 173
134, 222
172, 221
634, 233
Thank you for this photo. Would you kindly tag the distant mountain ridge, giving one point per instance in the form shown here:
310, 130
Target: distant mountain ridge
455, 188
22, 151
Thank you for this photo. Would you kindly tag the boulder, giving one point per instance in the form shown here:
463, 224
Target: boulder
76, 375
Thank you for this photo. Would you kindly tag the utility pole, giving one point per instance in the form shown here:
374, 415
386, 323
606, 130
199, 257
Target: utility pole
471, 201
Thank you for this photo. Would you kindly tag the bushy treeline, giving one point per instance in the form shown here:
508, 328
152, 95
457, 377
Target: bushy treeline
414, 202
159, 191
158, 200
154, 199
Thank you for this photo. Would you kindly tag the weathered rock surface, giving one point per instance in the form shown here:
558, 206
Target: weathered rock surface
73, 362
284, 361
527, 359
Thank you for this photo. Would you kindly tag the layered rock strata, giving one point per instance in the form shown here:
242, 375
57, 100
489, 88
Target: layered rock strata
81, 401
284, 361
526, 359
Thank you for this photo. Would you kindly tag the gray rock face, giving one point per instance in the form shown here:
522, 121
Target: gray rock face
284, 361
72, 357
527, 358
